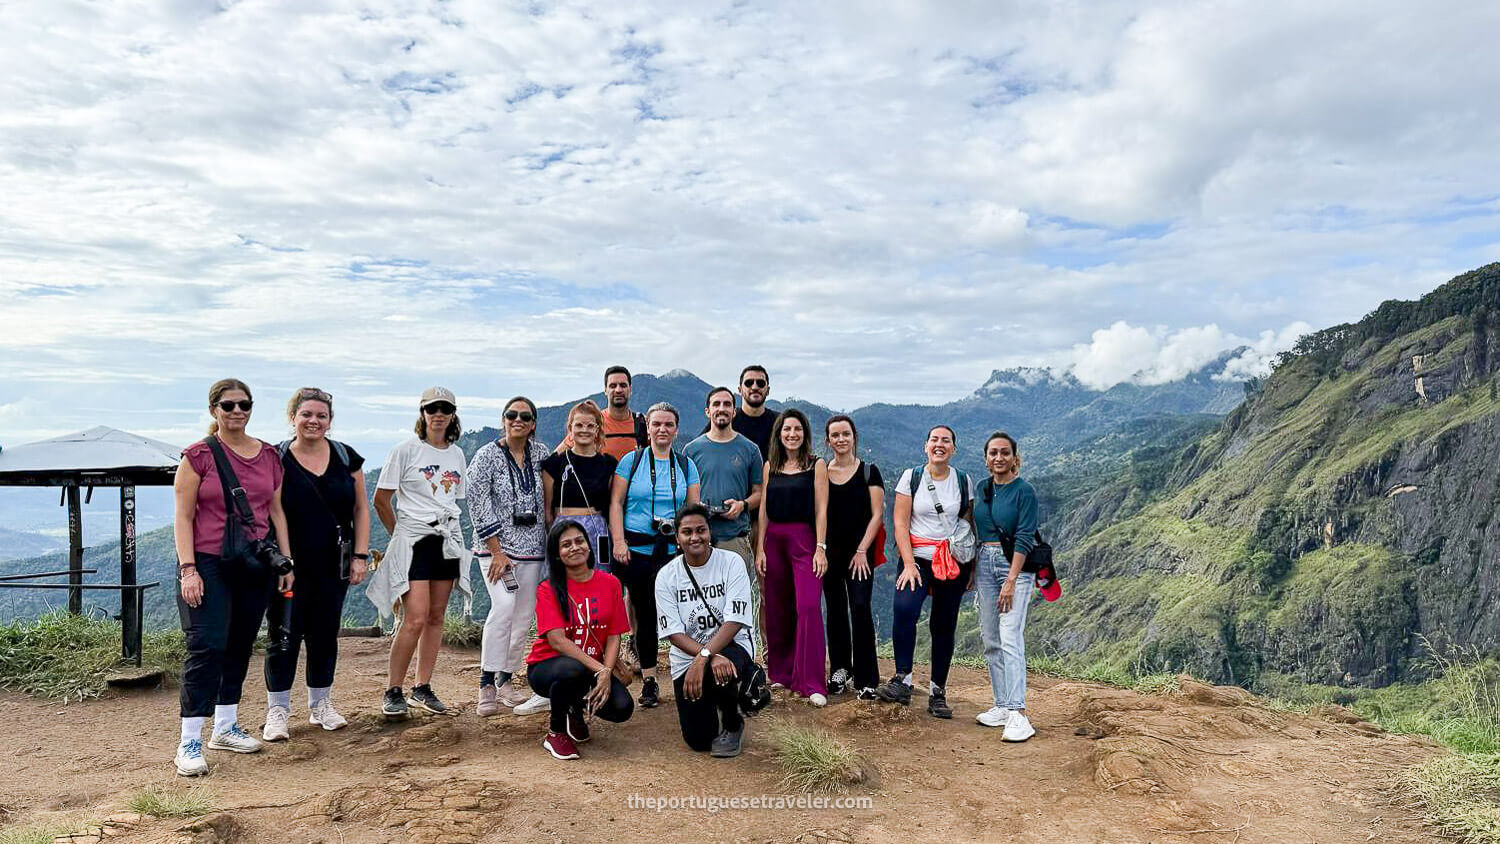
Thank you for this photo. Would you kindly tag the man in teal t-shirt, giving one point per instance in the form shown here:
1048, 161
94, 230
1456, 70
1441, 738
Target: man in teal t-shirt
732, 472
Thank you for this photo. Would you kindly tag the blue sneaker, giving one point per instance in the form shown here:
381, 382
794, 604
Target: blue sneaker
234, 739
189, 760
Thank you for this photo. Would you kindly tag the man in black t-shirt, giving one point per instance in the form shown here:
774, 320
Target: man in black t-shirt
754, 419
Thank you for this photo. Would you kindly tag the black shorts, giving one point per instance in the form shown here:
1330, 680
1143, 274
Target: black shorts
428, 562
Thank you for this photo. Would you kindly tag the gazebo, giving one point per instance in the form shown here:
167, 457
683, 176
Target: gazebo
98, 457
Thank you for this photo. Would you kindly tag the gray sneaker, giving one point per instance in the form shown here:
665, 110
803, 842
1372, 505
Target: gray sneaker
727, 744
394, 705
234, 739
422, 697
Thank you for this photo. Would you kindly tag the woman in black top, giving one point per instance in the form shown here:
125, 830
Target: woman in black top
576, 481
328, 517
856, 506
792, 558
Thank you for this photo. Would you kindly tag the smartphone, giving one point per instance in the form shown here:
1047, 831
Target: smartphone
603, 556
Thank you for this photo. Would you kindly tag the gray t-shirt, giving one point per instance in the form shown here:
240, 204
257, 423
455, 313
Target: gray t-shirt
726, 588
727, 471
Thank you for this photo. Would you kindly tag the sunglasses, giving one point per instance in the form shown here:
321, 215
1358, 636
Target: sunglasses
440, 407
243, 404
755, 383
513, 415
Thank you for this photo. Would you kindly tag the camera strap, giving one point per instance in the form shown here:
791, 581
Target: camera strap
672, 471
702, 598
235, 497
581, 491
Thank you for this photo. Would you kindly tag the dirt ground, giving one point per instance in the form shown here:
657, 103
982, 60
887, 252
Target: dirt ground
1201, 765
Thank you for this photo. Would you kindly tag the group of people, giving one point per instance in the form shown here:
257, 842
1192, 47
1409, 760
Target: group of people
738, 538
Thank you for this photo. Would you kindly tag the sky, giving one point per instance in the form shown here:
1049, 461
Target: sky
879, 201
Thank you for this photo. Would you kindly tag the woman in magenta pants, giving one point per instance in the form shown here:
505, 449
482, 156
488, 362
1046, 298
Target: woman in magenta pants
792, 558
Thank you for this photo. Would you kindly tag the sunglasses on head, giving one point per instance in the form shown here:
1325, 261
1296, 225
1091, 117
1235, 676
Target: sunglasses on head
228, 405
755, 383
440, 407
523, 415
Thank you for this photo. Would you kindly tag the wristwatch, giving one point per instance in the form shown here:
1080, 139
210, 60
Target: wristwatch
823, 545
706, 653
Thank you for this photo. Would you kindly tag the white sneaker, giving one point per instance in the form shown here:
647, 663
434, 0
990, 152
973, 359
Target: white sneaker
532, 705
1018, 728
817, 700
995, 716
189, 759
234, 739
325, 716
276, 724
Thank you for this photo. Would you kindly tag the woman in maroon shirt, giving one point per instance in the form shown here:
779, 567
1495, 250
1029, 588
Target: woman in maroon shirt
224, 584
580, 616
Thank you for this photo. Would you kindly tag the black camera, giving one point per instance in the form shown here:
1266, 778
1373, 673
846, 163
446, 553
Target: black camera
267, 552
665, 527
720, 509
523, 518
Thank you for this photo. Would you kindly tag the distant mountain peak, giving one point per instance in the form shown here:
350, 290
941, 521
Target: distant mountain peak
1024, 378
678, 374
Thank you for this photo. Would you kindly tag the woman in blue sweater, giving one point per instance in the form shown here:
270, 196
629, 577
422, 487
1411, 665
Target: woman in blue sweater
1005, 519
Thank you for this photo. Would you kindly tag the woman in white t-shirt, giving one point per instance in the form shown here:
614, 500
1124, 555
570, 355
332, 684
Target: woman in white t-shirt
931, 501
417, 499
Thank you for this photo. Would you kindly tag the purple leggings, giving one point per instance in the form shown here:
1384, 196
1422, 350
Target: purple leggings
794, 610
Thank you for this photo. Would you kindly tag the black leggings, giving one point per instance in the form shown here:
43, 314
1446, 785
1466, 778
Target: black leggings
947, 597
640, 579
220, 632
566, 682
314, 616
849, 600
719, 707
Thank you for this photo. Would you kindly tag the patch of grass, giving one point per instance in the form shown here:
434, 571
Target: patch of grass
462, 631
1460, 795
1155, 684
67, 657
36, 833
814, 760
164, 802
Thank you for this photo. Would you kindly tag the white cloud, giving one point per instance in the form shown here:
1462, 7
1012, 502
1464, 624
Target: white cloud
1125, 352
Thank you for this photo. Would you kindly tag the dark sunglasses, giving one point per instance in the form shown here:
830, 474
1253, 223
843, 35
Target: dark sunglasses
227, 405
523, 415
755, 383
440, 407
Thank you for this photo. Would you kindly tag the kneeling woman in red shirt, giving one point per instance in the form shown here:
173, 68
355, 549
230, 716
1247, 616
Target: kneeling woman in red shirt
580, 615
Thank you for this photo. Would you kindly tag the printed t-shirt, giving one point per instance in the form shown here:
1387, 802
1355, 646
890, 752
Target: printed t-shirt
679, 607
597, 611
428, 481
260, 476
728, 471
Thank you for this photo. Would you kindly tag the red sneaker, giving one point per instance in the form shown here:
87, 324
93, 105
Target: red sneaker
560, 746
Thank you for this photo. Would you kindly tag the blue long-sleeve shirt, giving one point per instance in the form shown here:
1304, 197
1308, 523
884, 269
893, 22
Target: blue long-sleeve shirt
1010, 513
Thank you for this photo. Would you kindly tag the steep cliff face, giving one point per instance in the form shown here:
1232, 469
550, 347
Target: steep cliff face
1343, 511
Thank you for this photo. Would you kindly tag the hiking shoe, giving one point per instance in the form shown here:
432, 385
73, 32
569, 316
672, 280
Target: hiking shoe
895, 691
189, 759
510, 695
650, 697
489, 703
234, 739
422, 697
839, 682
817, 700
995, 716
534, 704
937, 703
867, 693
276, 724
1018, 728
578, 726
394, 705
727, 744
325, 716
560, 746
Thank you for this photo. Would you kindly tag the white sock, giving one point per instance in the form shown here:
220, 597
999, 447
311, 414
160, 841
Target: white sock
225, 717
906, 678
281, 699
192, 729
317, 696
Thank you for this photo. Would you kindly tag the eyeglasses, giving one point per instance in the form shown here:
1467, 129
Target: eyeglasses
442, 407
513, 415
755, 383
228, 405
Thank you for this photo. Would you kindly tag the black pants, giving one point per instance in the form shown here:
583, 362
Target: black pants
718, 709
848, 600
312, 617
640, 579
566, 682
220, 631
947, 597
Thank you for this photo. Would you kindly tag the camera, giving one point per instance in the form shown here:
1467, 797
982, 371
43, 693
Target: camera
523, 518
720, 509
665, 527
266, 551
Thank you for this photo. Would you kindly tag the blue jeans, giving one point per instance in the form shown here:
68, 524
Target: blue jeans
1004, 633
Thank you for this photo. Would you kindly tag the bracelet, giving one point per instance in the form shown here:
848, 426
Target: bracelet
823, 545
183, 567
361, 556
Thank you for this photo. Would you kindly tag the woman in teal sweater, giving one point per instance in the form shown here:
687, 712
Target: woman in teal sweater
1005, 519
